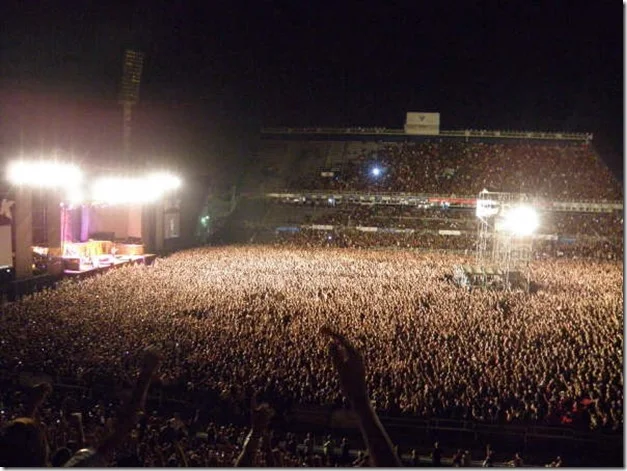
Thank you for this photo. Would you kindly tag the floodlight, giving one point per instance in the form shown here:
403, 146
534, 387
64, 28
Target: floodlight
115, 190
48, 174
165, 181
521, 220
376, 171
74, 195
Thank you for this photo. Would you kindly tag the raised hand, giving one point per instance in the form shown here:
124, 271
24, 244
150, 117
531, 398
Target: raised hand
151, 360
349, 364
261, 415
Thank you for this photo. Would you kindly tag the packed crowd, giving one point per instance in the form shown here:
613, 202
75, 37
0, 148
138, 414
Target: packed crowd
588, 235
357, 239
559, 171
229, 320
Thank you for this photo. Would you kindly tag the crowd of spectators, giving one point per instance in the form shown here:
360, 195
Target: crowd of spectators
569, 234
231, 319
556, 170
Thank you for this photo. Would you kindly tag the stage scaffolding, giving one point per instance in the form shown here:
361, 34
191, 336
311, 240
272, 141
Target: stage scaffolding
499, 250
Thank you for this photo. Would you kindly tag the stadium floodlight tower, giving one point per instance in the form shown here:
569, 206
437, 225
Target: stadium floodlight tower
506, 224
129, 96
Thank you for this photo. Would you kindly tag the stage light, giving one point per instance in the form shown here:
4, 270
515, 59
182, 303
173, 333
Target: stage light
47, 174
376, 171
119, 190
74, 195
521, 221
165, 181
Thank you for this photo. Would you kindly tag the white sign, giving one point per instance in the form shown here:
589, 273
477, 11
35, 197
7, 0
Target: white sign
422, 123
423, 119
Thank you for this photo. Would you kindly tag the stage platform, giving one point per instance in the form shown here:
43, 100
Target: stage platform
89, 270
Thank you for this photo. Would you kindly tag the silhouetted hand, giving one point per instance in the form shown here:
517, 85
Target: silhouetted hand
350, 366
261, 415
151, 360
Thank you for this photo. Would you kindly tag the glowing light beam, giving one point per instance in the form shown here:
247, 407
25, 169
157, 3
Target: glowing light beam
521, 221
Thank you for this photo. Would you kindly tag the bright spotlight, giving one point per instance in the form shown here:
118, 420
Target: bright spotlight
74, 195
117, 190
521, 221
48, 174
376, 171
165, 181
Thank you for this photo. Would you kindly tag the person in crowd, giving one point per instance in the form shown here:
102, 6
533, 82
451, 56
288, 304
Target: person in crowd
23, 440
436, 455
516, 462
457, 459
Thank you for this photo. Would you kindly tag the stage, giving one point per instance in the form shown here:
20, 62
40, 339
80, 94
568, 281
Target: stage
87, 270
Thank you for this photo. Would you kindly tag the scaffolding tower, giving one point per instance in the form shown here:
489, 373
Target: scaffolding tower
499, 249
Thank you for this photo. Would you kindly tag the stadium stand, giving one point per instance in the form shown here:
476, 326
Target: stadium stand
310, 178
556, 170
504, 378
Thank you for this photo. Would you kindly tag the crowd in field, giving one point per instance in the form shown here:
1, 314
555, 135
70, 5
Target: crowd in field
432, 240
561, 171
229, 321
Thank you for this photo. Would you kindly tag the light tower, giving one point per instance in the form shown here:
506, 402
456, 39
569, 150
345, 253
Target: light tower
506, 223
129, 96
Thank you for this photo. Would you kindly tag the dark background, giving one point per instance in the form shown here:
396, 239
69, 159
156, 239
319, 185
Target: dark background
217, 71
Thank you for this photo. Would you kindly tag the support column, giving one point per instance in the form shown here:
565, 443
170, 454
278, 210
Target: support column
135, 221
159, 228
23, 232
147, 227
85, 216
53, 219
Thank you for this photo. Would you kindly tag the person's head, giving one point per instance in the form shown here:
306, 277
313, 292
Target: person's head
23, 444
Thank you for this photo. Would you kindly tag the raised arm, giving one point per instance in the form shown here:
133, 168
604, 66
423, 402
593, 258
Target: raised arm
349, 364
261, 416
77, 418
129, 413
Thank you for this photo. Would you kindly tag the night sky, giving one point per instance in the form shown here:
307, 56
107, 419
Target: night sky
217, 71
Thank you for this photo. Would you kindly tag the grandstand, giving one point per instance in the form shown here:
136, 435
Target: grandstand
344, 186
